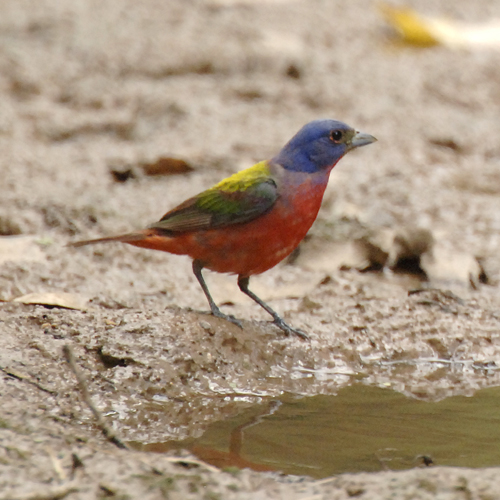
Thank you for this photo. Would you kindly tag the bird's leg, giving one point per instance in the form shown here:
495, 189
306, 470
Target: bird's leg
197, 267
243, 282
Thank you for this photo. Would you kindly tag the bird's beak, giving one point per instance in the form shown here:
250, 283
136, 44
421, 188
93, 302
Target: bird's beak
361, 139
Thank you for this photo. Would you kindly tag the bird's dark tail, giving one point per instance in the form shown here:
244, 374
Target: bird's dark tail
123, 238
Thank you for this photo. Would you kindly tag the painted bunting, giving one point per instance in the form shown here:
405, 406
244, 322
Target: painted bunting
249, 222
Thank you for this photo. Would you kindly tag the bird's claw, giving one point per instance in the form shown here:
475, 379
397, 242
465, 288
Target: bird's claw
289, 330
234, 320
227, 317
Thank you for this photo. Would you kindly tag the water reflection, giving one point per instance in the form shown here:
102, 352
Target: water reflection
362, 428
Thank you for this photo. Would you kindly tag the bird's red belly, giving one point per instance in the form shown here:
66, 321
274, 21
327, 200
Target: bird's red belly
249, 248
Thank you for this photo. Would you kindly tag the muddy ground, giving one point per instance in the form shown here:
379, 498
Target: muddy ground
90, 92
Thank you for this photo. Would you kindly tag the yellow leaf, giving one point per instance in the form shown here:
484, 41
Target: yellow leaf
409, 26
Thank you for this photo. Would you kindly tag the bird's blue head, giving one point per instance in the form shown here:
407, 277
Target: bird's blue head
319, 145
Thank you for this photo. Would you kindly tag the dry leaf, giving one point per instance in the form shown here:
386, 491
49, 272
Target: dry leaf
409, 243
446, 264
167, 166
410, 250
409, 26
55, 299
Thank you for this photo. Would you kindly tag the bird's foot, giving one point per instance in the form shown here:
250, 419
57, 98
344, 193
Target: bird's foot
219, 314
289, 330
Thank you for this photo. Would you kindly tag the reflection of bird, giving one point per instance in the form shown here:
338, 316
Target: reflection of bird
252, 220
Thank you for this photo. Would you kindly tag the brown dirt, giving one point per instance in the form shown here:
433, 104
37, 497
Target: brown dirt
88, 88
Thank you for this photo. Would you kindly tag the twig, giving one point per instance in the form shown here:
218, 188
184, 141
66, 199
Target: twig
24, 378
327, 372
109, 434
54, 493
475, 364
191, 461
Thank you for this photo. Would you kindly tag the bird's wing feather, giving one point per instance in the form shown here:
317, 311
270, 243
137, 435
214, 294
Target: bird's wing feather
239, 198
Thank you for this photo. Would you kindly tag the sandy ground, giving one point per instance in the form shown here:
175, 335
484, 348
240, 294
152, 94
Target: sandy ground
88, 88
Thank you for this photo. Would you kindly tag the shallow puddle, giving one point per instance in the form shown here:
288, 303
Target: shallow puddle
362, 428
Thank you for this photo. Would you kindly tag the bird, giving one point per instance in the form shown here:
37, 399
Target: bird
255, 218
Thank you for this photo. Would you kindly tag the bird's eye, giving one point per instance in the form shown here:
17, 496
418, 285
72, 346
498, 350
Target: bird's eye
336, 135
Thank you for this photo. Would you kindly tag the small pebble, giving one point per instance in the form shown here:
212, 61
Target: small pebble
206, 326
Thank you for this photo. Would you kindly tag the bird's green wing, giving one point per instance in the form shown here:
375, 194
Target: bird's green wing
239, 198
